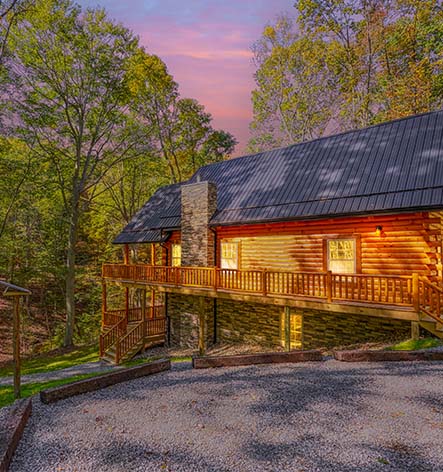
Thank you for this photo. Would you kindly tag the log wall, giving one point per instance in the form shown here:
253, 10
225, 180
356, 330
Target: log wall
408, 243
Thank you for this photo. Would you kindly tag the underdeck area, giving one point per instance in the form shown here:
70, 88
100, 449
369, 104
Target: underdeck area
144, 319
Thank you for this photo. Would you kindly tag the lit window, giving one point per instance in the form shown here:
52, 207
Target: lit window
176, 255
341, 256
229, 255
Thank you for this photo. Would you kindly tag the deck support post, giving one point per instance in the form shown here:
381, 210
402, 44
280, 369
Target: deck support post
104, 303
329, 286
201, 327
127, 304
415, 330
16, 346
415, 292
145, 323
287, 328
152, 310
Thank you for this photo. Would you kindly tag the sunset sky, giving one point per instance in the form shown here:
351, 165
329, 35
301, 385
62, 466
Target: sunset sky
206, 46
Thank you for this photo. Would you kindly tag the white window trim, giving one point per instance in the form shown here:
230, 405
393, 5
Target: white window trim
237, 244
328, 258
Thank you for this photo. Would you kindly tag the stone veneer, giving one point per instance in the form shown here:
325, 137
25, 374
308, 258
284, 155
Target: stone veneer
250, 322
261, 324
198, 204
324, 329
184, 320
240, 321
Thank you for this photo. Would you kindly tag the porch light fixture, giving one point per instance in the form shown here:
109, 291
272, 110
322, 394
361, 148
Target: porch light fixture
378, 230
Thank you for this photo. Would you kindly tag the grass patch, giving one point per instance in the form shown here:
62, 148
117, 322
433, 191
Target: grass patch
54, 361
7, 391
181, 359
415, 344
144, 360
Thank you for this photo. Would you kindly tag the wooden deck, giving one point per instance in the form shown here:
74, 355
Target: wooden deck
374, 289
408, 297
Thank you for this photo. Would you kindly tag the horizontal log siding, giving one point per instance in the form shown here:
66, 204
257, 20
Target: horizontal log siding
408, 244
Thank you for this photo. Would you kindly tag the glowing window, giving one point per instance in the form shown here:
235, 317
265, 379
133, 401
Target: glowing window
229, 255
176, 255
342, 256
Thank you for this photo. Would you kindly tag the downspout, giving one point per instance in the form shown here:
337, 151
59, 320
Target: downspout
214, 340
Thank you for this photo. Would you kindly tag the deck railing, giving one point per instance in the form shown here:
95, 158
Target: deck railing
381, 289
111, 336
430, 299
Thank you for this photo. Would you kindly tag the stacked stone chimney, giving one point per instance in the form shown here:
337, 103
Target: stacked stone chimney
198, 204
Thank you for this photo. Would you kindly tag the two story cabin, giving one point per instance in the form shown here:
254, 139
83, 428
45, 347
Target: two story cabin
324, 243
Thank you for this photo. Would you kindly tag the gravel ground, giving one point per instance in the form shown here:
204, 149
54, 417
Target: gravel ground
321, 417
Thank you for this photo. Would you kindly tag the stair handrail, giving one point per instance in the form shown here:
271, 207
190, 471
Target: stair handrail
129, 340
430, 299
111, 336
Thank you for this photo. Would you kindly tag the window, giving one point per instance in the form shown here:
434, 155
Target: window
176, 255
341, 256
229, 255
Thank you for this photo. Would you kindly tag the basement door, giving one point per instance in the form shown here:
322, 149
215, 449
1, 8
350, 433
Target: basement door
294, 333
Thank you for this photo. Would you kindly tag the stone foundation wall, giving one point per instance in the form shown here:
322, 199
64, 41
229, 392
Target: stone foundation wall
183, 311
323, 329
240, 322
263, 324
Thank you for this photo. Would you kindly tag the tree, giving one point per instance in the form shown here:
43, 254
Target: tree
411, 78
178, 128
363, 61
69, 79
10, 12
296, 89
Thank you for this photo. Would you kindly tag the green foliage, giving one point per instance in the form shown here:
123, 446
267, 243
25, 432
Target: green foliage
346, 64
415, 344
95, 125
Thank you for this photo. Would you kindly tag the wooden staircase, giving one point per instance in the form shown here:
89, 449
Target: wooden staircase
122, 341
429, 306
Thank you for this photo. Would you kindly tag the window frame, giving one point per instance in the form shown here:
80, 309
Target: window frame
357, 248
177, 244
237, 244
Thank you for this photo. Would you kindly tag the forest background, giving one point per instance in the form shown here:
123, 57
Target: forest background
91, 124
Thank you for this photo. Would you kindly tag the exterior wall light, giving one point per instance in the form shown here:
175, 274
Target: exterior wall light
378, 230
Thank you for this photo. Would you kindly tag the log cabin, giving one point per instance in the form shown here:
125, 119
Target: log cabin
326, 243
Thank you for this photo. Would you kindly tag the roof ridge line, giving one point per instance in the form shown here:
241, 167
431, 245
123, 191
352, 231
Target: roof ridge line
342, 133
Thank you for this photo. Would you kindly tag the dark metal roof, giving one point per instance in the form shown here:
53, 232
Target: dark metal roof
13, 290
160, 213
393, 166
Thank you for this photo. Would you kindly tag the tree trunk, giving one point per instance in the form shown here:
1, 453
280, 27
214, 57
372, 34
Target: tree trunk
70, 277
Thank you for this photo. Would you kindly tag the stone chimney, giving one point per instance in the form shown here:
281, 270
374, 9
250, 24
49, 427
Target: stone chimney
198, 204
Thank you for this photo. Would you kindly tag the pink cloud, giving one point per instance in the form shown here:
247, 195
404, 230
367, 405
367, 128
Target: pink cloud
206, 46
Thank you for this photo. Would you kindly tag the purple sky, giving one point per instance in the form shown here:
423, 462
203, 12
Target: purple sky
206, 46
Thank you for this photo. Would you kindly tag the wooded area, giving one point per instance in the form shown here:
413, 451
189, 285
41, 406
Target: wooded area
91, 124
345, 64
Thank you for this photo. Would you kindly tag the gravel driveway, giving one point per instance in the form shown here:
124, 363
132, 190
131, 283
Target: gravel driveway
322, 417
